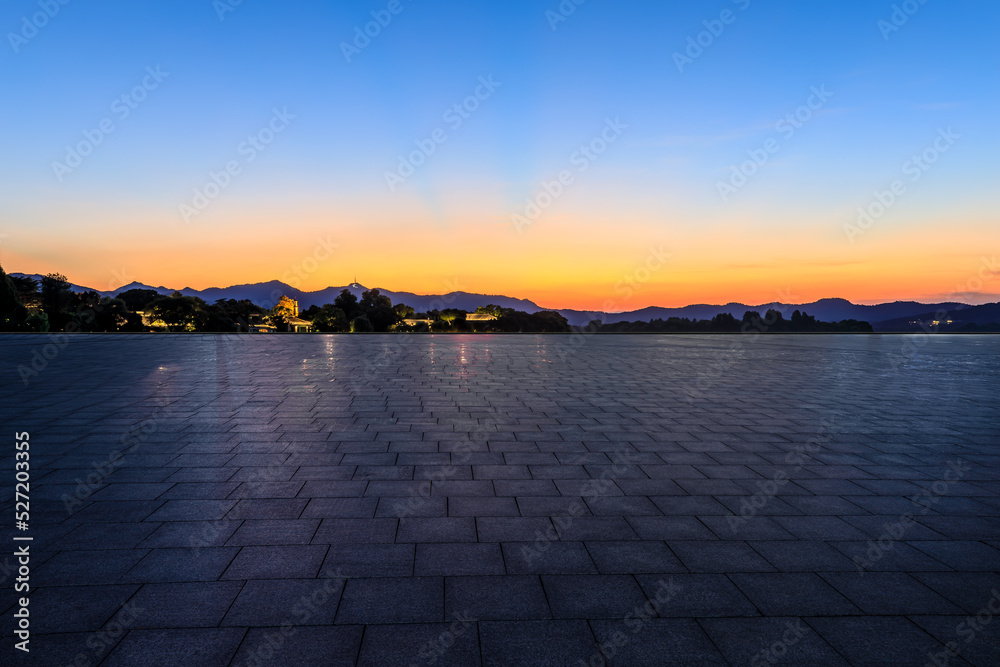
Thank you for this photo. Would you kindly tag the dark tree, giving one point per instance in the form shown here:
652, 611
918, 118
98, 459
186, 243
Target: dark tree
56, 294
348, 303
361, 325
136, 300
13, 314
179, 313
330, 319
377, 308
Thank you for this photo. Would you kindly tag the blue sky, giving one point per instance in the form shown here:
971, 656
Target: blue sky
559, 82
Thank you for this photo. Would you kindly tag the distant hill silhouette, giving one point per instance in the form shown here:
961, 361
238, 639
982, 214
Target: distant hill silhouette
893, 316
972, 318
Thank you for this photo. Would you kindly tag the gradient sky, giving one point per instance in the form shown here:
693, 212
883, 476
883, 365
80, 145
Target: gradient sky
602, 242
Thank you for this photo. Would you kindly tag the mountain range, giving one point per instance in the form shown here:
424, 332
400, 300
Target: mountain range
895, 316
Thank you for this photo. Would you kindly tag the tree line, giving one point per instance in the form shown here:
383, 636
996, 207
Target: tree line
50, 304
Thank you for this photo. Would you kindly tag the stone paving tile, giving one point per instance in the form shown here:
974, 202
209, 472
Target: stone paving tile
280, 562
655, 641
191, 534
793, 594
369, 560
330, 645
276, 602
446, 644
649, 557
188, 646
199, 604
878, 640
495, 598
592, 596
889, 593
182, 564
77, 608
536, 642
764, 641
498, 511
392, 600
547, 558
458, 559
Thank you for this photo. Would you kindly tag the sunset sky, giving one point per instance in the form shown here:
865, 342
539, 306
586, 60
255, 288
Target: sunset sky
117, 114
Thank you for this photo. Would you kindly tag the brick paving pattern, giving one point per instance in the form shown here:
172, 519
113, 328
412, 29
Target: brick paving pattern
508, 500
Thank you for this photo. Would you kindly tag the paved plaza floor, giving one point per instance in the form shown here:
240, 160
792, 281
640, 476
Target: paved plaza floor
505, 500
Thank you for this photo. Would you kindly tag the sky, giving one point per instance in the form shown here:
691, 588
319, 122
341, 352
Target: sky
600, 155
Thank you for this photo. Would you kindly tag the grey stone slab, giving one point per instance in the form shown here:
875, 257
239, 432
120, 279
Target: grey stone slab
76, 608
670, 528
719, 556
547, 557
536, 642
889, 593
592, 596
75, 568
877, 640
254, 532
627, 557
191, 534
333, 645
804, 556
267, 508
199, 604
747, 641
188, 646
458, 559
482, 507
182, 564
653, 641
392, 600
276, 562
496, 598
356, 531
451, 529
369, 560
340, 508
454, 643
697, 595
277, 602
792, 594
